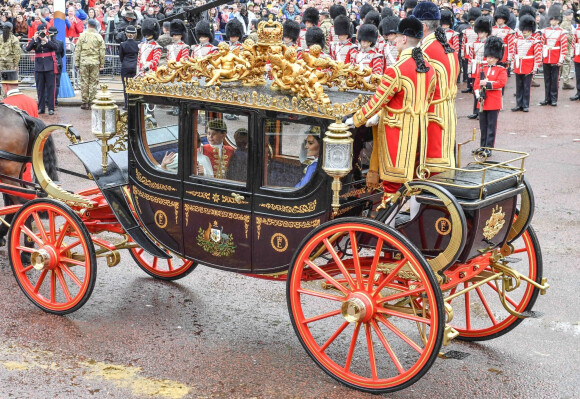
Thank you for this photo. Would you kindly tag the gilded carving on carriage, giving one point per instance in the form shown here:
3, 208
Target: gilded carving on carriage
495, 222
285, 223
199, 194
156, 200
218, 213
304, 208
215, 241
151, 184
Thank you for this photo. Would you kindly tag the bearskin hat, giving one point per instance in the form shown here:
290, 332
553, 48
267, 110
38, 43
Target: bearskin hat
410, 4
177, 27
368, 32
336, 10
493, 47
315, 35
483, 24
311, 15
342, 25
411, 26
291, 29
527, 10
203, 29
364, 10
150, 27
234, 28
527, 22
386, 12
555, 12
373, 17
447, 17
426, 11
501, 12
473, 14
389, 25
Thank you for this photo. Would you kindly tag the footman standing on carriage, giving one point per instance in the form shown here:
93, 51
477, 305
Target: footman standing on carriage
442, 115
399, 108
45, 68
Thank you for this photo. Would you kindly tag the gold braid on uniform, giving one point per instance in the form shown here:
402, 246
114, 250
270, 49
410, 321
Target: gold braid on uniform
420, 61
441, 38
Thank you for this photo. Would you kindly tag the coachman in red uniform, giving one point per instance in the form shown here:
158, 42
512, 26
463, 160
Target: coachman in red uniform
554, 47
442, 114
527, 59
489, 81
399, 107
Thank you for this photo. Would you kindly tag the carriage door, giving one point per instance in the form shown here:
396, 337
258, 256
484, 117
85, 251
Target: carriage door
216, 199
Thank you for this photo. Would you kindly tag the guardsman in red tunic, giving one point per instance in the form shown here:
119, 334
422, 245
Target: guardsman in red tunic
491, 78
291, 32
149, 51
445, 64
342, 50
217, 150
554, 47
399, 107
205, 37
576, 60
234, 32
527, 59
469, 37
366, 55
505, 33
388, 29
331, 38
177, 50
447, 22
476, 55
310, 18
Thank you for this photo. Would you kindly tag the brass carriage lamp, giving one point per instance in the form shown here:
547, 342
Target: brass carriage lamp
337, 157
104, 121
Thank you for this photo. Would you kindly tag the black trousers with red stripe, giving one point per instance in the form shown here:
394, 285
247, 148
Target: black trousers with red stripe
45, 86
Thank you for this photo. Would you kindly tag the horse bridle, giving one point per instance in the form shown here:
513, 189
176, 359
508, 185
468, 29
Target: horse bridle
10, 156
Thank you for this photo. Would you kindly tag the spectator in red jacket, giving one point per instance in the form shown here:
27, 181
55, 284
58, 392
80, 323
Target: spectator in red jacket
74, 26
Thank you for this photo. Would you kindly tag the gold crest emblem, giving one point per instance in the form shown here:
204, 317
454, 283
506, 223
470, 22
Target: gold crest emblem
495, 222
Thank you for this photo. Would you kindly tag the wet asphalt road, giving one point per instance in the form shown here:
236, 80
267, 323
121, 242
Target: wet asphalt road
215, 334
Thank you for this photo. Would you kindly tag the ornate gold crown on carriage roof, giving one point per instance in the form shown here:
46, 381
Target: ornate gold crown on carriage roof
314, 85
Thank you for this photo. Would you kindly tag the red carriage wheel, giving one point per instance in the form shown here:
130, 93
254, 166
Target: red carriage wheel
173, 268
52, 256
372, 318
479, 313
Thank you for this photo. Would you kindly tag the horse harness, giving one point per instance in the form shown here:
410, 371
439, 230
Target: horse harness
10, 156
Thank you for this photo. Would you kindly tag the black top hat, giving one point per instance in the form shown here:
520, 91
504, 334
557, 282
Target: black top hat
373, 17
9, 77
369, 33
311, 15
427, 11
234, 28
493, 47
291, 29
315, 35
483, 24
177, 27
389, 25
411, 27
502, 12
342, 25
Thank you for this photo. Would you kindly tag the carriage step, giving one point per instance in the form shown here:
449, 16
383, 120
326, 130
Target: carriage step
511, 260
456, 355
532, 314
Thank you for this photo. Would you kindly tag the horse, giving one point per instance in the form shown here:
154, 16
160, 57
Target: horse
17, 133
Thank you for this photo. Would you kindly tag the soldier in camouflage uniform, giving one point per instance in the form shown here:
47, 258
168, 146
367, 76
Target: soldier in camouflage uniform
89, 58
565, 71
9, 49
326, 26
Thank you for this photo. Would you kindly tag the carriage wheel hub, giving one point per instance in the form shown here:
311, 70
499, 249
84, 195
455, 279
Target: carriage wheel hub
41, 259
357, 309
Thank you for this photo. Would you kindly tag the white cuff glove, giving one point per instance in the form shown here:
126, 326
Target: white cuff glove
373, 121
349, 122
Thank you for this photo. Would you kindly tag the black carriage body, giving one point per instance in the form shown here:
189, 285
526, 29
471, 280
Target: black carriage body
263, 224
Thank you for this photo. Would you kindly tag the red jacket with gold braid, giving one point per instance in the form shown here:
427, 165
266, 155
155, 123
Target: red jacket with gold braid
528, 53
442, 114
219, 159
149, 56
554, 45
402, 101
496, 77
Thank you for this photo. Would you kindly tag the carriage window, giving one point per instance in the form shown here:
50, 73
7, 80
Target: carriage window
160, 138
222, 145
292, 151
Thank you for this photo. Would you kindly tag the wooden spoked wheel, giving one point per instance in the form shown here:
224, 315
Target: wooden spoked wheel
173, 268
479, 313
372, 316
52, 256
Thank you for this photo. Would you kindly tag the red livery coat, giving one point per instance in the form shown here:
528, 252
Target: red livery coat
219, 161
554, 45
402, 101
497, 78
528, 53
442, 113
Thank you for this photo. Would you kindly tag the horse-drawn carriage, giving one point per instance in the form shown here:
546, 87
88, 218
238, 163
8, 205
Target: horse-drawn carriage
373, 292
